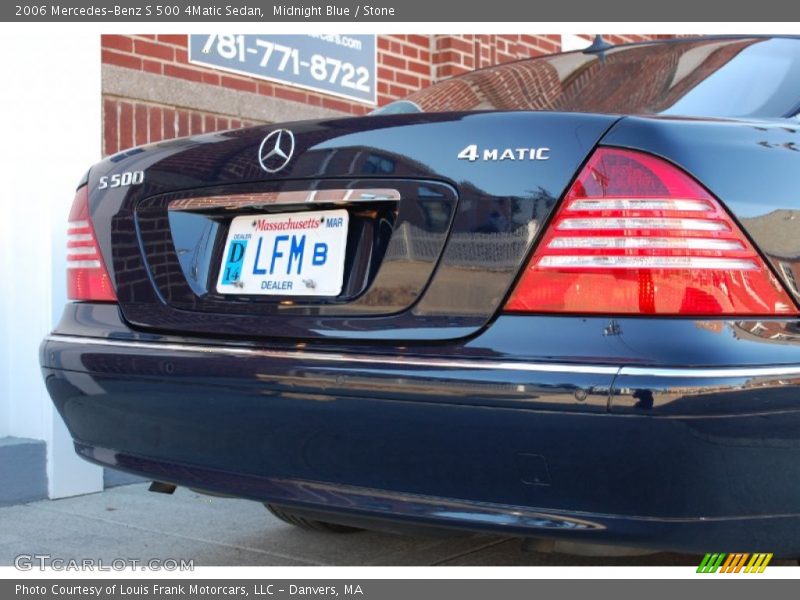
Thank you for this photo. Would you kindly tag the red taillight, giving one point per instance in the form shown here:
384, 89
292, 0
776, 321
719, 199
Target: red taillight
636, 235
87, 276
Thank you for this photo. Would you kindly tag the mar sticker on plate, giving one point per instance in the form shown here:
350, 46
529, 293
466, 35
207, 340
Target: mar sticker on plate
287, 254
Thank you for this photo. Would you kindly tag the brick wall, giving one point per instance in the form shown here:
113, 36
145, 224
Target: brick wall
129, 122
457, 54
406, 63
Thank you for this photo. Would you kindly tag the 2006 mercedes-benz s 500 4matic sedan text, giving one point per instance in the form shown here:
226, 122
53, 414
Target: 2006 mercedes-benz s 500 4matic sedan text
555, 298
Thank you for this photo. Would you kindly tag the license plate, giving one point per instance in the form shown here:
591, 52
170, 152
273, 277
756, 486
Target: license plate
288, 254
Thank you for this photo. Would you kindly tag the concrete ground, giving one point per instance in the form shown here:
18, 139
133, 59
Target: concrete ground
130, 522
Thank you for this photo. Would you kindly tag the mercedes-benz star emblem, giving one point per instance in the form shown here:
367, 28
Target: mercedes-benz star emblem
276, 150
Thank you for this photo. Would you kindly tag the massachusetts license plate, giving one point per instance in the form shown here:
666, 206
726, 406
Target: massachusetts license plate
288, 254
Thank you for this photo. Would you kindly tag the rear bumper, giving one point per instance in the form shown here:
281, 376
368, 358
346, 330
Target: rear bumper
667, 457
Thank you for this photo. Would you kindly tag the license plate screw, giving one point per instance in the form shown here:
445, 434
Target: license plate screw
310, 283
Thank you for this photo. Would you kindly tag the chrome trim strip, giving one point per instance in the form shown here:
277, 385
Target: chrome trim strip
300, 197
414, 361
711, 373
398, 361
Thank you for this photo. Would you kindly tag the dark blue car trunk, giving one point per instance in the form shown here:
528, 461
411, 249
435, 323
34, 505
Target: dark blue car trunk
436, 262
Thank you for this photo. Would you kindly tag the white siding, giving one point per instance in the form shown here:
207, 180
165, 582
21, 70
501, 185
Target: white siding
51, 110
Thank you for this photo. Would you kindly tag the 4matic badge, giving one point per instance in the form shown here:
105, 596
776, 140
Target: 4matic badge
473, 153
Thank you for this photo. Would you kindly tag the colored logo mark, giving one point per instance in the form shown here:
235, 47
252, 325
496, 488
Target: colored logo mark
734, 563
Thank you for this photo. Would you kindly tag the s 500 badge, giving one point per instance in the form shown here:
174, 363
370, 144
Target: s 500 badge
473, 153
121, 180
